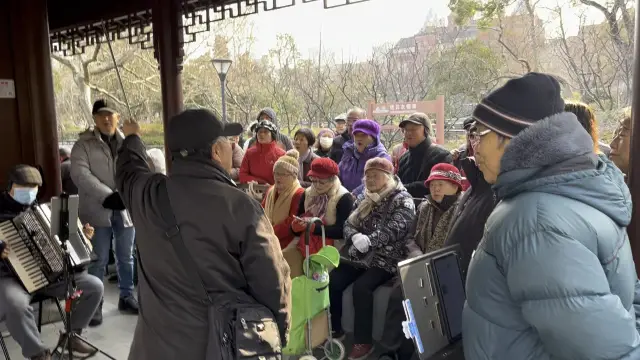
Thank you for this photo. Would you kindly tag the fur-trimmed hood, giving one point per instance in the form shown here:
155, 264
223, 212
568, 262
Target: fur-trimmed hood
555, 155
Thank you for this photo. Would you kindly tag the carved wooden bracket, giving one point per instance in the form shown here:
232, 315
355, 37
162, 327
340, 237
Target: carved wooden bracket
197, 17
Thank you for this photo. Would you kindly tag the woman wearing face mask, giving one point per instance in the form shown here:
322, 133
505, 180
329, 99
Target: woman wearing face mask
303, 141
375, 241
281, 200
326, 199
365, 145
325, 140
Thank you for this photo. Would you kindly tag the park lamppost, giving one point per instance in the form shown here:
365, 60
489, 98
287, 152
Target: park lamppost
222, 67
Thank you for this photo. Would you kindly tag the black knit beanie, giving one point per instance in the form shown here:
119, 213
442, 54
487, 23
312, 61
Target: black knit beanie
519, 103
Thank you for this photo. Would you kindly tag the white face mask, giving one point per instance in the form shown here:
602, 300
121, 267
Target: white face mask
326, 142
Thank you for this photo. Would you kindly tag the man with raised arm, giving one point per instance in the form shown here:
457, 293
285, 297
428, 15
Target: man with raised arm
227, 234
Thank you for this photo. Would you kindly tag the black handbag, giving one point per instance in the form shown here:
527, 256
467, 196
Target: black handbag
239, 327
364, 260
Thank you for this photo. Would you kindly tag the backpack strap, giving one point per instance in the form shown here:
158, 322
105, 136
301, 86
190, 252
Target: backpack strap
174, 236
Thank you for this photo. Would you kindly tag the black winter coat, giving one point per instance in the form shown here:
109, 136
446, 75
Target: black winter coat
225, 231
416, 163
336, 147
471, 214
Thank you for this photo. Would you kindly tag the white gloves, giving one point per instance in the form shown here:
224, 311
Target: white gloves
406, 330
361, 242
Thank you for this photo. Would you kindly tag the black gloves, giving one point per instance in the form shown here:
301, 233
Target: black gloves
113, 202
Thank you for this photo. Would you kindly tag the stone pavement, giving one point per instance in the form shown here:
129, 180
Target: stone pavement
113, 336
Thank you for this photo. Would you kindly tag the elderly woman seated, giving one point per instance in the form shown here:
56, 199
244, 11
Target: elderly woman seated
375, 241
428, 233
326, 199
281, 200
436, 212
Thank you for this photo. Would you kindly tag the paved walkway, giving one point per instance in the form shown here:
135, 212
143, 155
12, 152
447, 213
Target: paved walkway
113, 336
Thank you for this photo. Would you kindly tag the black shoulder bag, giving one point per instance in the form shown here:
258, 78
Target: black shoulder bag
239, 327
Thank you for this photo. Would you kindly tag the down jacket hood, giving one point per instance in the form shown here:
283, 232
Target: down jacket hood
270, 113
555, 156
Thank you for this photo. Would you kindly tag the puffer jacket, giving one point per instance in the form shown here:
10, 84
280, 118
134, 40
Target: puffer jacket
352, 164
93, 171
257, 164
553, 276
388, 239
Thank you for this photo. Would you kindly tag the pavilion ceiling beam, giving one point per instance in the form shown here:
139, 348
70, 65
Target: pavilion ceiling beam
136, 26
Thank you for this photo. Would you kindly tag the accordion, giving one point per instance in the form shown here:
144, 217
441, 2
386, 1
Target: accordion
36, 258
434, 295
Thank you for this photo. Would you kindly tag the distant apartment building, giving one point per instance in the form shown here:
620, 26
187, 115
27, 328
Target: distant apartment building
436, 37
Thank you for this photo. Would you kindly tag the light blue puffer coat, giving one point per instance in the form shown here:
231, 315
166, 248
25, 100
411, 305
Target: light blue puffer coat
553, 277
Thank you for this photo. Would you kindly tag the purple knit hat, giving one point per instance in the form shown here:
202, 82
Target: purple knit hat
325, 131
367, 127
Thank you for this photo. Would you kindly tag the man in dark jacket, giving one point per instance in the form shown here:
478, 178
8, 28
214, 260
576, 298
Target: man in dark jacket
472, 211
416, 163
283, 140
15, 307
226, 233
65, 172
461, 153
353, 115
340, 122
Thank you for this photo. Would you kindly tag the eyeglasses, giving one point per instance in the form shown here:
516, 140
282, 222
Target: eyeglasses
475, 136
280, 174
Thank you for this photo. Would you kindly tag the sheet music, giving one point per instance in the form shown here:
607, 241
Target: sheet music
80, 255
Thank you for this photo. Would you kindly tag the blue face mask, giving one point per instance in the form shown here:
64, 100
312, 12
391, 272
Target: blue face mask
25, 196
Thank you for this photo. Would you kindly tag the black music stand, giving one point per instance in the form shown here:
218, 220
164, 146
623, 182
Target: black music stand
66, 218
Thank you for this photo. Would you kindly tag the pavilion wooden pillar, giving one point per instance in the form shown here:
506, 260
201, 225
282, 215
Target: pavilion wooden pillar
634, 161
169, 51
29, 130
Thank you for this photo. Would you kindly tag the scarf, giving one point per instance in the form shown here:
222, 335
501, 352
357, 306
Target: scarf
323, 205
303, 158
278, 206
434, 220
371, 200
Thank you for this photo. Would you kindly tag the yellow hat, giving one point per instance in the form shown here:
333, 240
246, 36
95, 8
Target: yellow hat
288, 162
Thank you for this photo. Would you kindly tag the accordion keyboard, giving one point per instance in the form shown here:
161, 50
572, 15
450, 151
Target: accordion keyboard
25, 265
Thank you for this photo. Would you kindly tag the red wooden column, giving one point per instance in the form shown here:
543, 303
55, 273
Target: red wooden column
634, 161
168, 39
29, 131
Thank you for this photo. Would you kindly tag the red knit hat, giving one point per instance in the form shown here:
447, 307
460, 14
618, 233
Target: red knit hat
446, 172
323, 168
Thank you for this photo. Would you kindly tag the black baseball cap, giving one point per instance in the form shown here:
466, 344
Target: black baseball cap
196, 129
466, 124
102, 105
